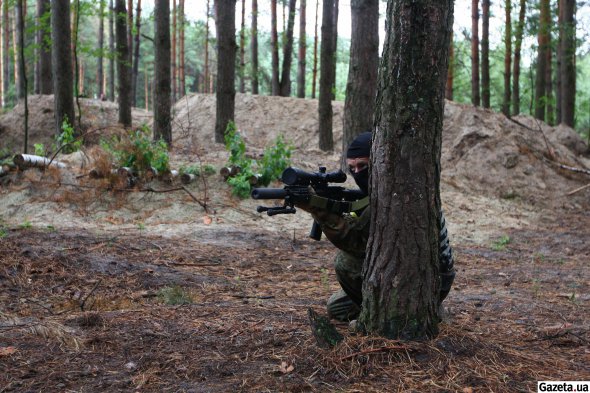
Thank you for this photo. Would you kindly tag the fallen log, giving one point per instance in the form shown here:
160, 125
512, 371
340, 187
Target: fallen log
188, 178
229, 171
29, 161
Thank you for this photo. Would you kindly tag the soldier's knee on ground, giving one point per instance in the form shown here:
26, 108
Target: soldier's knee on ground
341, 307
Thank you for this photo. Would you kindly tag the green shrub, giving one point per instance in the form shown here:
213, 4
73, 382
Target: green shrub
39, 149
136, 150
174, 296
274, 161
501, 243
67, 138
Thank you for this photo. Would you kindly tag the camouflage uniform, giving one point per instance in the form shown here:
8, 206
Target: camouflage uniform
350, 233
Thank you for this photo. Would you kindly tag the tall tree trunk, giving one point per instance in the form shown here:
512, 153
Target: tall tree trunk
315, 52
17, 80
254, 46
226, 66
173, 59
475, 97
181, 64
61, 61
401, 271
43, 76
568, 61
242, 71
274, 48
100, 59
550, 107
285, 84
335, 47
507, 58
327, 77
2, 90
111, 51
162, 68
20, 22
450, 72
543, 42
206, 82
146, 90
485, 53
136, 54
123, 66
21, 88
302, 51
516, 64
5, 53
361, 87
130, 29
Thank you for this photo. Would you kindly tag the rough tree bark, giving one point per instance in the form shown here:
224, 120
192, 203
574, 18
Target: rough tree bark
361, 87
21, 88
226, 66
485, 53
20, 23
181, 66
136, 50
285, 83
400, 275
302, 51
5, 53
123, 65
327, 77
111, 51
43, 76
475, 97
254, 46
507, 58
242, 70
274, 44
567, 47
61, 63
516, 62
161, 93
100, 58
451, 71
173, 56
315, 51
543, 42
206, 77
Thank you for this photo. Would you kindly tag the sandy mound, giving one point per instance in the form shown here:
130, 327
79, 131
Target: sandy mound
96, 115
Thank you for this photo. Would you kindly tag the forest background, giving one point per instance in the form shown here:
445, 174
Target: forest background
199, 60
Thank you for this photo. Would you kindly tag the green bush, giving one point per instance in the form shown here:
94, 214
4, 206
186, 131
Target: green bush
274, 161
138, 151
67, 138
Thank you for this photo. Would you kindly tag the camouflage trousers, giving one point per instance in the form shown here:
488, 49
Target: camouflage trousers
345, 304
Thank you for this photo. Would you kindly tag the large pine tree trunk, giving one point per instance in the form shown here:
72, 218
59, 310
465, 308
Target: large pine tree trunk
21, 88
475, 97
315, 52
111, 51
543, 47
254, 46
400, 275
242, 70
327, 77
516, 63
550, 107
181, 62
161, 93
285, 83
173, 56
274, 43
507, 58
135, 72
485, 53
302, 51
43, 75
21, 6
123, 66
226, 66
100, 58
451, 71
206, 76
5, 45
361, 87
568, 65
61, 61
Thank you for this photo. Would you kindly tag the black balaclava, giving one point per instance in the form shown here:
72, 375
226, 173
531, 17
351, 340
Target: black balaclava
361, 147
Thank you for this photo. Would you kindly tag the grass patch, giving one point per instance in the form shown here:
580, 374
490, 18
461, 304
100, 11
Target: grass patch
501, 243
174, 296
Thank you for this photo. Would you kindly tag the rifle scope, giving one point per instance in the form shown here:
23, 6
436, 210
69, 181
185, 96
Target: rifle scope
298, 177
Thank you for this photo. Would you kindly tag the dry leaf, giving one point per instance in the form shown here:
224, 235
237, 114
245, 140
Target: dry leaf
207, 220
286, 367
7, 351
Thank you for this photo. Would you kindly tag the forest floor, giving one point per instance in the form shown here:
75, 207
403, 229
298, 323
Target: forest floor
148, 291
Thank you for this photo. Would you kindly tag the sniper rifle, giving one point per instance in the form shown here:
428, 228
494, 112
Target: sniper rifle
311, 188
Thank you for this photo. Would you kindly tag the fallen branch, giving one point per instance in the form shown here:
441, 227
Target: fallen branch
567, 167
83, 303
373, 350
578, 189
